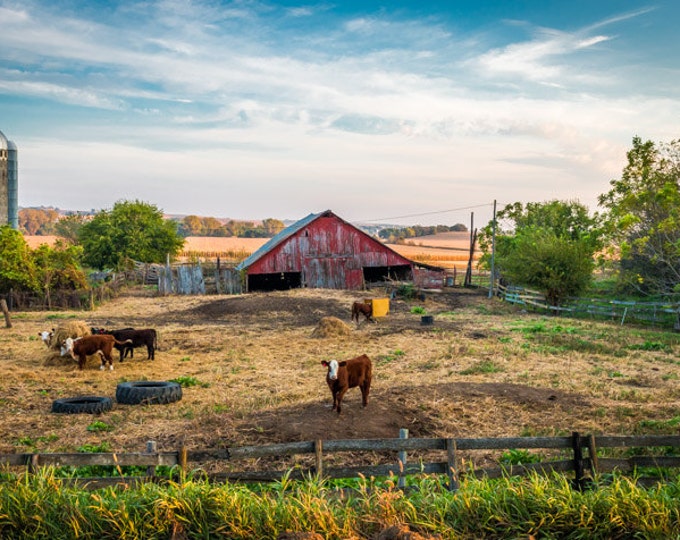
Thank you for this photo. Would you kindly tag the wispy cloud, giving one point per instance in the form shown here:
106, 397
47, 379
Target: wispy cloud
249, 91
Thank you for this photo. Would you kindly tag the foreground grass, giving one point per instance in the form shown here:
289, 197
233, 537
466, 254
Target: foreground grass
39, 506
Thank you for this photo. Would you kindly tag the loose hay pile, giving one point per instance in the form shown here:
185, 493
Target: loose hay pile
331, 327
72, 329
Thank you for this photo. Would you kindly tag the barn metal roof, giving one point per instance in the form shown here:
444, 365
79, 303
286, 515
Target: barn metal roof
277, 239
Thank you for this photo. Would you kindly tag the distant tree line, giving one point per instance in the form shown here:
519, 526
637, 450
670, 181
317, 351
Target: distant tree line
51, 221
210, 226
394, 235
553, 246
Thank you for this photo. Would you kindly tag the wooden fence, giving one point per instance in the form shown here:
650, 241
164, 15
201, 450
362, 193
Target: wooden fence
451, 458
199, 278
655, 313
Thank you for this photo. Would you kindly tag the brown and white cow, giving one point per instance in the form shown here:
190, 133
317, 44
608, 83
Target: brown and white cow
81, 348
348, 374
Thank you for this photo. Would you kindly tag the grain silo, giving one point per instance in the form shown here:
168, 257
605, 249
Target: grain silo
9, 183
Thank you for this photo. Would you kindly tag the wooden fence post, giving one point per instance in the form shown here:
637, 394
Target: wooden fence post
452, 464
401, 483
592, 454
5, 311
577, 447
34, 463
318, 456
182, 459
151, 448
218, 285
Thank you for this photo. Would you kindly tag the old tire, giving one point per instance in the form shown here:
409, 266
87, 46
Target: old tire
148, 392
82, 405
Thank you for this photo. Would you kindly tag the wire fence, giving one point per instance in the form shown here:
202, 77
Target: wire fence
662, 314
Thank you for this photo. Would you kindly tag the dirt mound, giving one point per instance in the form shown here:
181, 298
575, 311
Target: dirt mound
288, 308
331, 327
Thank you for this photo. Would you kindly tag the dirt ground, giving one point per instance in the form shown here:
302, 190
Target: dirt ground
253, 361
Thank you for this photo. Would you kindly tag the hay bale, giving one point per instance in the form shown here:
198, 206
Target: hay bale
72, 329
331, 327
54, 358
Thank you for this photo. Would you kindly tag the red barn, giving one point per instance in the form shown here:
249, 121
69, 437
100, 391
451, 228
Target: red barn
323, 251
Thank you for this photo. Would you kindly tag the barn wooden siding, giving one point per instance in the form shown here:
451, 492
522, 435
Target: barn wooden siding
193, 279
326, 252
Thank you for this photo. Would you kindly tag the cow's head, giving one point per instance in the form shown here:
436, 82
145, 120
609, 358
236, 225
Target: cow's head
332, 368
46, 337
67, 347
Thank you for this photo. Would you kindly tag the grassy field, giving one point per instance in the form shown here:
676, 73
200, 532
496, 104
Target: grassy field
253, 373
446, 250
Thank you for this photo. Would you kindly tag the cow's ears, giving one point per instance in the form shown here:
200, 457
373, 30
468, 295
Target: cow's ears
324, 363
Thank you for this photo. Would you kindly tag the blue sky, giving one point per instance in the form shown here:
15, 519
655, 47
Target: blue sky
402, 112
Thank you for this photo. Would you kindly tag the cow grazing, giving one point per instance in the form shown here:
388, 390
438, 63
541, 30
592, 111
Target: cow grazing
81, 348
136, 338
362, 308
348, 374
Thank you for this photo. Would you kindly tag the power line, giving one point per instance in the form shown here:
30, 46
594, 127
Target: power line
428, 213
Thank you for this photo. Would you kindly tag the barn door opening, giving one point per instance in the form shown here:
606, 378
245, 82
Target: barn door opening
281, 281
379, 274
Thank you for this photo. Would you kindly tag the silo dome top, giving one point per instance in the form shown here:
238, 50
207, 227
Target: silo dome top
6, 144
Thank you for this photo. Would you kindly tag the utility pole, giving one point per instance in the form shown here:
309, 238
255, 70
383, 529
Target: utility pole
493, 250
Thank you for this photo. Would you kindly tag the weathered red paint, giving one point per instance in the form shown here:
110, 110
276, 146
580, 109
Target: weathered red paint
330, 253
428, 279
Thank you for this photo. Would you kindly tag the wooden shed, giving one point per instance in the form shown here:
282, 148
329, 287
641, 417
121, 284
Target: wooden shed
323, 251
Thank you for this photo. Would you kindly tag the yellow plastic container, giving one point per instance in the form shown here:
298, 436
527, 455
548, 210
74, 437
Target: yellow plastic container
381, 306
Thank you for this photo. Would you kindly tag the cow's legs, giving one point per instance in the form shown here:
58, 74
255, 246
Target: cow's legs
365, 387
341, 394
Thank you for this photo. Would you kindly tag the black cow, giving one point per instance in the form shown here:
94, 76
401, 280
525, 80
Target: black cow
137, 338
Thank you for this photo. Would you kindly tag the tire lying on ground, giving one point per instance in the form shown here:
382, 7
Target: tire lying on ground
82, 405
148, 392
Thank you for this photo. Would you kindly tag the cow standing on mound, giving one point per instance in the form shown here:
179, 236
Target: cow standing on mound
81, 348
348, 374
362, 308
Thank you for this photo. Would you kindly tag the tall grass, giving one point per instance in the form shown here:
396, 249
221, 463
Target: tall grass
39, 506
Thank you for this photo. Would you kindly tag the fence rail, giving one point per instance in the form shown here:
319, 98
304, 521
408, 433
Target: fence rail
583, 467
657, 313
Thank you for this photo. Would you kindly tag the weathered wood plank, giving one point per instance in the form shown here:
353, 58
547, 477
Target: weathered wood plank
604, 441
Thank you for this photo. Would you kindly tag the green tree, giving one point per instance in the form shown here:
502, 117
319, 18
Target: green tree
17, 270
68, 227
272, 227
192, 226
212, 227
57, 268
131, 230
549, 246
643, 218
